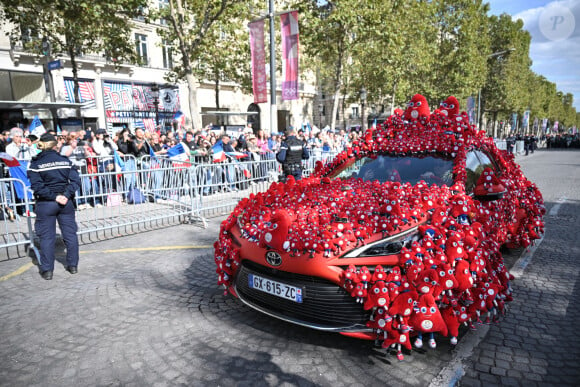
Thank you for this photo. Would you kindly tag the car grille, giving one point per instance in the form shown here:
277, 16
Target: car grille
325, 305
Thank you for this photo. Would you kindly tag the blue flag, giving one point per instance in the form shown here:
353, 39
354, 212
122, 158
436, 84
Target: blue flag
118, 160
19, 173
151, 153
175, 150
36, 127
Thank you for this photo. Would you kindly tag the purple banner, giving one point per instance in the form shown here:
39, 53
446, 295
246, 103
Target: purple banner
290, 41
259, 81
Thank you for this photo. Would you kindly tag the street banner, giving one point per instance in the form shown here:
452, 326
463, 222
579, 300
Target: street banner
525, 120
86, 93
259, 80
514, 121
555, 129
471, 110
289, 21
536, 125
544, 125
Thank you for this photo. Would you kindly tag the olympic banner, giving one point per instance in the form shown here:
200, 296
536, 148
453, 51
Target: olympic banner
544, 125
259, 80
289, 23
526, 120
471, 110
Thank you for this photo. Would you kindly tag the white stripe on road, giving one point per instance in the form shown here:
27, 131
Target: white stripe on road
452, 373
554, 210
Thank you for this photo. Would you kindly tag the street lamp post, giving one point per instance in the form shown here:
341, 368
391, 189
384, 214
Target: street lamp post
320, 112
155, 92
363, 98
479, 92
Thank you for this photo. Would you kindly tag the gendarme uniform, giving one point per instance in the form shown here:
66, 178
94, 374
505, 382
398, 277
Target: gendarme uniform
52, 174
292, 152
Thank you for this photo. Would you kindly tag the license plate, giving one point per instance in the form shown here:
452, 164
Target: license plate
275, 288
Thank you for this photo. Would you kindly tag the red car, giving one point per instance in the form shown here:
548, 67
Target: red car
398, 237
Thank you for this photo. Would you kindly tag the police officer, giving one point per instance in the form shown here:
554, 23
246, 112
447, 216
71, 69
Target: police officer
292, 152
54, 181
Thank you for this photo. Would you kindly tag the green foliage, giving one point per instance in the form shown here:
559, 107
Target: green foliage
461, 37
74, 28
207, 36
199, 29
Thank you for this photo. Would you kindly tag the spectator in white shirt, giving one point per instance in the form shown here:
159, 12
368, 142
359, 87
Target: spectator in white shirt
18, 148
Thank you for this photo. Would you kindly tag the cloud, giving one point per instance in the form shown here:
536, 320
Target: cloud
555, 46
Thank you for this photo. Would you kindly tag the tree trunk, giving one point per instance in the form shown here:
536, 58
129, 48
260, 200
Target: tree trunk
337, 85
193, 109
393, 98
217, 93
75, 71
219, 118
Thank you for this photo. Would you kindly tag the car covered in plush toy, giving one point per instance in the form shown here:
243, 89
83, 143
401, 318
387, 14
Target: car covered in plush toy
398, 237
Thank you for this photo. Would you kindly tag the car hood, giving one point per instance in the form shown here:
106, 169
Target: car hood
318, 218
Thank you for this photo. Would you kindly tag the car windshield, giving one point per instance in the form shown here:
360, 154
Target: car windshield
412, 169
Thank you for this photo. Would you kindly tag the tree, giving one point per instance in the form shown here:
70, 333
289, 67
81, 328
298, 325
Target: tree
75, 28
462, 43
503, 92
192, 24
328, 33
398, 51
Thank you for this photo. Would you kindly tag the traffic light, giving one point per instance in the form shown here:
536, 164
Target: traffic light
45, 46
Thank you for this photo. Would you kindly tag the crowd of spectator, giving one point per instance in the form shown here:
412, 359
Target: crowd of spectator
563, 141
97, 152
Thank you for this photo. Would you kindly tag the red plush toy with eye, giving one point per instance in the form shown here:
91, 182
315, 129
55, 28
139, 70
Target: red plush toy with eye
378, 296
276, 235
417, 108
427, 320
488, 183
449, 107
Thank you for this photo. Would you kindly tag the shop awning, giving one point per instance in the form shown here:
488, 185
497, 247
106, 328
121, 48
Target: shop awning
220, 113
11, 105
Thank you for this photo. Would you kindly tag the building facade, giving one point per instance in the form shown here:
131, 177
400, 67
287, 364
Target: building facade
130, 96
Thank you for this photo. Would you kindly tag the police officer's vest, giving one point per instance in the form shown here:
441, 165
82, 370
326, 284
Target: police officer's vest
294, 153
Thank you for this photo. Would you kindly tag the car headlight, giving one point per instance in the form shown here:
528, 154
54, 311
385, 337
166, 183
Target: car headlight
388, 246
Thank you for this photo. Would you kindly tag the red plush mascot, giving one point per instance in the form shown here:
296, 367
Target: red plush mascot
417, 108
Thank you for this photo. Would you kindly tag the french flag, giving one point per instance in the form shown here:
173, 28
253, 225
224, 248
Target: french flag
237, 155
179, 117
218, 152
17, 170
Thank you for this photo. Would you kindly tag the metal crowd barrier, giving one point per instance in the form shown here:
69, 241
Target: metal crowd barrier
16, 226
219, 186
146, 194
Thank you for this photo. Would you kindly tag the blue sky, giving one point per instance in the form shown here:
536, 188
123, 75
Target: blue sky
555, 30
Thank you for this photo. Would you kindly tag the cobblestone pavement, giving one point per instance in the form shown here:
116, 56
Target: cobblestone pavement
537, 343
156, 316
145, 310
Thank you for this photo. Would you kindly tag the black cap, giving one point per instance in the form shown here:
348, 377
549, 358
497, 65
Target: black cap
46, 137
101, 131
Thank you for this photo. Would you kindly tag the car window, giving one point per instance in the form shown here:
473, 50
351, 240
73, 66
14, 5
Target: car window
487, 161
473, 169
412, 169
